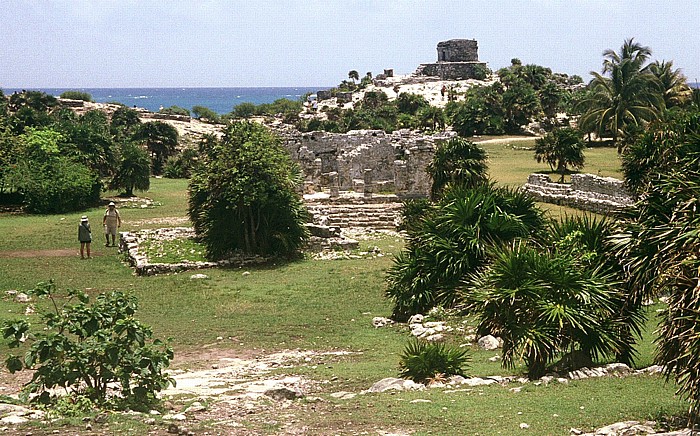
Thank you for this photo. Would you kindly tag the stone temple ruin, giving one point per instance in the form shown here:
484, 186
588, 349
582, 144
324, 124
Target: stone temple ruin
586, 192
458, 59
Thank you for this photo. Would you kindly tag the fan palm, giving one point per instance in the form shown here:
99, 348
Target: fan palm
659, 244
543, 303
450, 241
457, 161
562, 148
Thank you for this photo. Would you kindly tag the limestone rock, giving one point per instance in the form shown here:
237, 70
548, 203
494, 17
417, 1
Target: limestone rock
379, 321
343, 395
399, 384
283, 393
488, 342
22, 298
416, 319
14, 419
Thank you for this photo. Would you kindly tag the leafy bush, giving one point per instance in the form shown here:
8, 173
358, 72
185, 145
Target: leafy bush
481, 112
57, 185
243, 197
410, 104
205, 114
76, 95
90, 349
175, 110
180, 166
244, 110
423, 361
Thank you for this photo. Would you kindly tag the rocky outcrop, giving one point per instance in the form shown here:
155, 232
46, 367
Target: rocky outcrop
586, 192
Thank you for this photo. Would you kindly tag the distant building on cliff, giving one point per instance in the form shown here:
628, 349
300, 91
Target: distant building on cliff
458, 59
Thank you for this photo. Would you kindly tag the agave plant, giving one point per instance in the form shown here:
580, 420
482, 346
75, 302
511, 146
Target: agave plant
423, 361
543, 304
450, 242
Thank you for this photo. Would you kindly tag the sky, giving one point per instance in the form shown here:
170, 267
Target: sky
231, 43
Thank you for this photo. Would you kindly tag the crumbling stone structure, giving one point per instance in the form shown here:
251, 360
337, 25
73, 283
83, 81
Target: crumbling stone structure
338, 162
458, 59
586, 191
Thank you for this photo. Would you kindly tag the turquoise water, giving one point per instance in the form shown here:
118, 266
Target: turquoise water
220, 100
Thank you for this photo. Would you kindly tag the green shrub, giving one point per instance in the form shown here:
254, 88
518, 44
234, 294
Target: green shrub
175, 110
57, 185
180, 166
76, 95
205, 114
243, 196
422, 361
451, 242
90, 349
544, 304
245, 110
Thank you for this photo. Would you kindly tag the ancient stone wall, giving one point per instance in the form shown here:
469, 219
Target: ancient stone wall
458, 50
451, 70
586, 191
458, 59
397, 160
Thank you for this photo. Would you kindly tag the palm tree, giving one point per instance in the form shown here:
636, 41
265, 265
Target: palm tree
561, 148
459, 162
674, 84
160, 139
628, 98
133, 170
659, 246
450, 241
544, 303
353, 75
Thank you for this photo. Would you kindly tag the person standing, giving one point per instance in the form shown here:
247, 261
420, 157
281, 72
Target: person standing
111, 221
84, 236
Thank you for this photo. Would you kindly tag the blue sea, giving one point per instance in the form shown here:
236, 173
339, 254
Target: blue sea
220, 100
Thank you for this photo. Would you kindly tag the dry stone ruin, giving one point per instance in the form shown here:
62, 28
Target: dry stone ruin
369, 162
586, 192
458, 59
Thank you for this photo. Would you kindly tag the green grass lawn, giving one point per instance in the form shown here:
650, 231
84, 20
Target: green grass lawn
323, 306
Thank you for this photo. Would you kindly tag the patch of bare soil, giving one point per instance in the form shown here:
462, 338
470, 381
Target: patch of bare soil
63, 252
170, 220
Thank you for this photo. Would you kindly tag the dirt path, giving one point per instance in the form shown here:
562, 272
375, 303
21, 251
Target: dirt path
63, 252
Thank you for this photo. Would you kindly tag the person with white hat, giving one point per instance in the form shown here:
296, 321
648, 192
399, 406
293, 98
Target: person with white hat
111, 221
84, 236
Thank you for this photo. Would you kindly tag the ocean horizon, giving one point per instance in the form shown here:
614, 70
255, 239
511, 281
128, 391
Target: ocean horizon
220, 100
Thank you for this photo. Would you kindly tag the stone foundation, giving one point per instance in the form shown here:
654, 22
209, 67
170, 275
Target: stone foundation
452, 70
586, 192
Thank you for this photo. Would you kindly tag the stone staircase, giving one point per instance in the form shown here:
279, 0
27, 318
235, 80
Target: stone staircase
376, 216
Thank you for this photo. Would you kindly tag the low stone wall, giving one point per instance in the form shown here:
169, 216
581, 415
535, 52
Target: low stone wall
321, 238
586, 192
